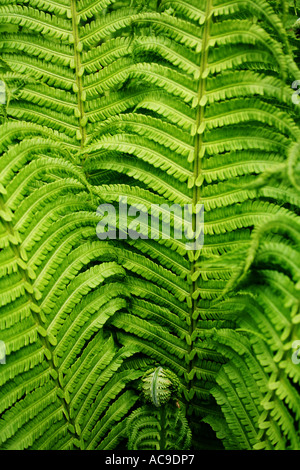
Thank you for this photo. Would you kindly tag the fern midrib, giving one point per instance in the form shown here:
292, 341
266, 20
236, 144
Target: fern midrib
162, 437
78, 71
198, 168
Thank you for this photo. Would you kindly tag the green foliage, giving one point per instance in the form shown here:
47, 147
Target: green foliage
186, 102
159, 386
163, 429
162, 426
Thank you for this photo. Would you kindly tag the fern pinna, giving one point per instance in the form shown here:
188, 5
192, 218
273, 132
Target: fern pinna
158, 102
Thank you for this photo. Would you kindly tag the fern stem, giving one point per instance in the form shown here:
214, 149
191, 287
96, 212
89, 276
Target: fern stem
162, 438
198, 149
78, 86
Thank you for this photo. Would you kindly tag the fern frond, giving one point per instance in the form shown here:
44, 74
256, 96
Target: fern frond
169, 102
